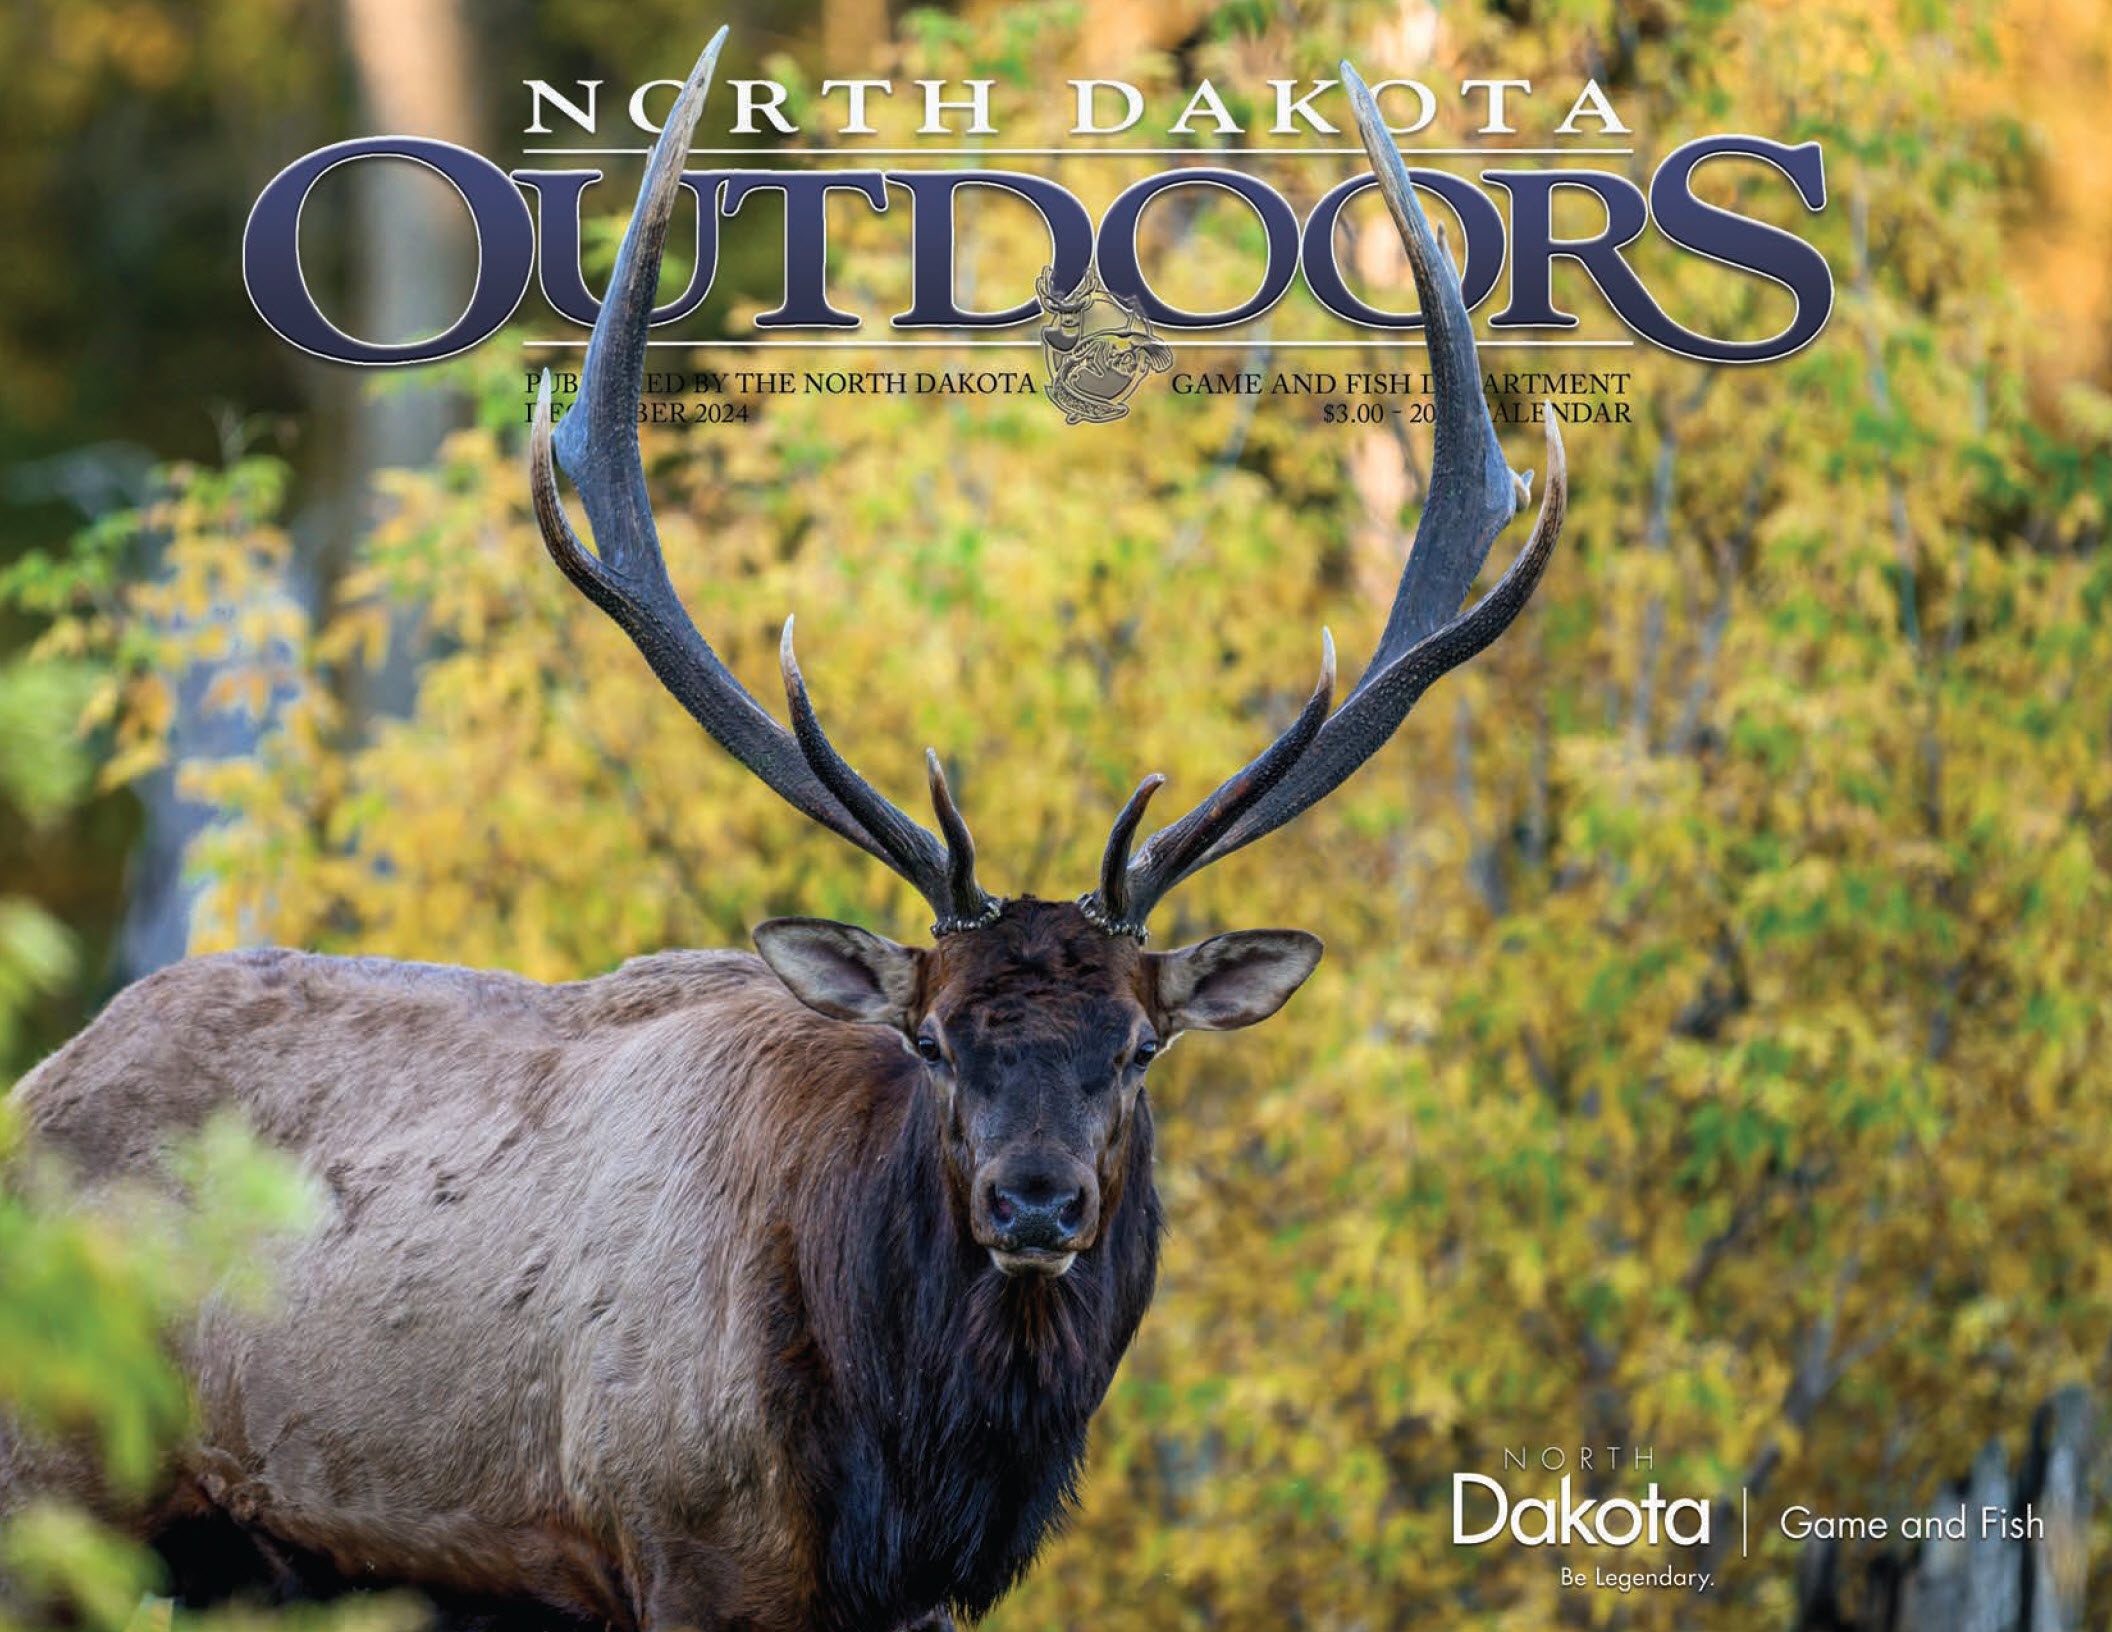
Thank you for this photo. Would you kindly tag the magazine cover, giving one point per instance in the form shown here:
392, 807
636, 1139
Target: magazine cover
651, 659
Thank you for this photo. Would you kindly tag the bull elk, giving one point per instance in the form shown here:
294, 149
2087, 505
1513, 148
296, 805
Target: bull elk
726, 1291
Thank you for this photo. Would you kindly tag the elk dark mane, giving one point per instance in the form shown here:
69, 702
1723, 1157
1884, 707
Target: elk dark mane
949, 1402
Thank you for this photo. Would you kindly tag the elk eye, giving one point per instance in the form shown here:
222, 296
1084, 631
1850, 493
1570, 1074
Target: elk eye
928, 1049
1144, 1053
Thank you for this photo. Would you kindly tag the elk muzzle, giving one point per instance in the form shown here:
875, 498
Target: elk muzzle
1035, 1211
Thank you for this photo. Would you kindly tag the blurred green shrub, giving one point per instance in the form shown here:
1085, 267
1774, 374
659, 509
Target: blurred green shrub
91, 1291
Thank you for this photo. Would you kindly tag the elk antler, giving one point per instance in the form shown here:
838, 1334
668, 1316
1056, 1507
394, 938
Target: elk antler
626, 574
1472, 496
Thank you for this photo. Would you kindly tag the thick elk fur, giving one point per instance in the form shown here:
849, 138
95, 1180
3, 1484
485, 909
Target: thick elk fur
655, 1284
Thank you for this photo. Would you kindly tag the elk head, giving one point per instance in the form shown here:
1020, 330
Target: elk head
1035, 1020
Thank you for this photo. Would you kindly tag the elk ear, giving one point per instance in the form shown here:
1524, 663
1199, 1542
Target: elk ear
840, 970
1231, 981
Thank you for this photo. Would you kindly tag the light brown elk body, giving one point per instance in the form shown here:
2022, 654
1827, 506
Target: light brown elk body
724, 1291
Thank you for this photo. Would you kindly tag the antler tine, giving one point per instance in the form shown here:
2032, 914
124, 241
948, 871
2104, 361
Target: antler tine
946, 877
906, 846
1367, 720
1176, 850
1472, 497
1109, 906
598, 443
971, 905
1471, 492
626, 574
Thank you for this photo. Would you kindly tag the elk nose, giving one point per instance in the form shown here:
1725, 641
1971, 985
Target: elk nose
1037, 1214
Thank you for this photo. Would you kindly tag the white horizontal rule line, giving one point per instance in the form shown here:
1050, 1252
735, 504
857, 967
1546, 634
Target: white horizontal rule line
1231, 343
1081, 152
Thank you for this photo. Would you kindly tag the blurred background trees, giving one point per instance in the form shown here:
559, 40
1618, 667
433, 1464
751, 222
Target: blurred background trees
1710, 1050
